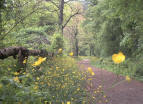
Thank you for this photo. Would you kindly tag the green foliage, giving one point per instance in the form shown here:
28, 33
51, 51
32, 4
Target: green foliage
115, 25
56, 80
131, 67
57, 41
110, 37
33, 37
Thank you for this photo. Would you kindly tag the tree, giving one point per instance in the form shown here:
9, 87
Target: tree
61, 20
71, 31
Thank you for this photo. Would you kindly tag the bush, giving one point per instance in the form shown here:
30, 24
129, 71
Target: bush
131, 66
57, 41
56, 80
33, 37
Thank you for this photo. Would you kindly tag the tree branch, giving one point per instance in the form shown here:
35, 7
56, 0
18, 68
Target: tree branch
54, 4
22, 53
70, 18
13, 51
22, 19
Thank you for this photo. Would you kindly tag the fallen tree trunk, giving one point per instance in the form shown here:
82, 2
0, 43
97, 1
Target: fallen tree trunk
22, 53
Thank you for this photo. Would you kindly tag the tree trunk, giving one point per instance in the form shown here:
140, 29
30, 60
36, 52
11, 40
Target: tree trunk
1, 27
76, 41
61, 10
76, 47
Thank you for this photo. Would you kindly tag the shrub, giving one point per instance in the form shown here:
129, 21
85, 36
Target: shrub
56, 80
57, 41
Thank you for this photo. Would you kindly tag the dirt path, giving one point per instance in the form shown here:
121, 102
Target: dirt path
125, 93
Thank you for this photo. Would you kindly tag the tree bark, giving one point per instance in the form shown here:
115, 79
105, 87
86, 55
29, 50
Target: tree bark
61, 10
1, 27
22, 53
76, 40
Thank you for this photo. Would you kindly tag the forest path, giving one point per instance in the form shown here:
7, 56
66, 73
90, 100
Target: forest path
124, 93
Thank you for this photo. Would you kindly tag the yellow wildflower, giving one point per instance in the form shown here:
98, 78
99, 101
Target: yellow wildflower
0, 85
37, 78
78, 89
16, 79
9, 69
128, 78
90, 71
89, 79
39, 61
16, 73
68, 102
118, 58
57, 68
42, 59
36, 87
71, 54
60, 50
104, 96
33, 70
24, 73
24, 62
46, 102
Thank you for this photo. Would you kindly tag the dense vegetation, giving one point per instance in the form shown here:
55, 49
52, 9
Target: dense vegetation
67, 28
113, 26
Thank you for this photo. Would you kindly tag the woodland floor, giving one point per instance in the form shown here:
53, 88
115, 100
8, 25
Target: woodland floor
124, 93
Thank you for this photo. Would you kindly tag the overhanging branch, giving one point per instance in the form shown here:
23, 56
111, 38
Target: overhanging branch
22, 53
70, 18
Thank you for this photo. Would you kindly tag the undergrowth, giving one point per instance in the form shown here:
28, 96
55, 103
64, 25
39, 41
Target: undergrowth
130, 67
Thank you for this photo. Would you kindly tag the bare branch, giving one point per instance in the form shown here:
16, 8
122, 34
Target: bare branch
22, 53
70, 18
54, 4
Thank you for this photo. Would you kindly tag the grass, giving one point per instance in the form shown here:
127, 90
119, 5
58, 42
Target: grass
128, 67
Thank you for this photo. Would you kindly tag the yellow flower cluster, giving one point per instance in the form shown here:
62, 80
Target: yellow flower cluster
68, 102
16, 79
24, 62
118, 58
1, 85
91, 71
128, 78
39, 61
71, 54
60, 50
16, 73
